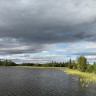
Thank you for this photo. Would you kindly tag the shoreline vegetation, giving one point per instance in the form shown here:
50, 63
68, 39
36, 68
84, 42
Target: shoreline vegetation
79, 67
84, 76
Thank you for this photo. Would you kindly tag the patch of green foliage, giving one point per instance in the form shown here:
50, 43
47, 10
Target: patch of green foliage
7, 63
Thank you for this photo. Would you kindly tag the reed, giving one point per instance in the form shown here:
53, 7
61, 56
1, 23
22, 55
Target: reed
85, 77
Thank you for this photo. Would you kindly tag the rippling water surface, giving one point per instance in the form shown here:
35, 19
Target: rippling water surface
41, 82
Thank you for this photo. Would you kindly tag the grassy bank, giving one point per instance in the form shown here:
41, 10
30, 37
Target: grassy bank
34, 67
85, 77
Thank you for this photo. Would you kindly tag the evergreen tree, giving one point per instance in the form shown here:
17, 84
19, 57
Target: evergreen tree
82, 63
70, 64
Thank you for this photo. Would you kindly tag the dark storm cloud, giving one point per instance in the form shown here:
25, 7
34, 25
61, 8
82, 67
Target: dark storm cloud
28, 25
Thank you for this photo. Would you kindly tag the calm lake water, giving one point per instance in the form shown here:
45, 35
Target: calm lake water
41, 82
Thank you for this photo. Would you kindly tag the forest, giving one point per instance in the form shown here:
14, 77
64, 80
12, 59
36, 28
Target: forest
80, 64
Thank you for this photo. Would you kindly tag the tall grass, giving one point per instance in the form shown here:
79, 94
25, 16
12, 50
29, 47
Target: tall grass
85, 77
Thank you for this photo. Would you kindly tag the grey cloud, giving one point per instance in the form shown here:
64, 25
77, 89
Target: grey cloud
85, 53
21, 58
15, 46
35, 23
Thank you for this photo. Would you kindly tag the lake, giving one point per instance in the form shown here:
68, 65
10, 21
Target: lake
41, 82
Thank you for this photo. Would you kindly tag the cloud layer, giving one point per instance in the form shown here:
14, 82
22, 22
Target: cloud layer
32, 26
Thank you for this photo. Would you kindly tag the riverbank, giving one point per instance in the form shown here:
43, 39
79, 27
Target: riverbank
36, 67
85, 77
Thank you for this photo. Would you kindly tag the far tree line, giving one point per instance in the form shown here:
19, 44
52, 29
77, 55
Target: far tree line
80, 64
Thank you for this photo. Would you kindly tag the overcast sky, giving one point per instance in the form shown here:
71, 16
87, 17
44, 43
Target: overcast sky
46, 30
